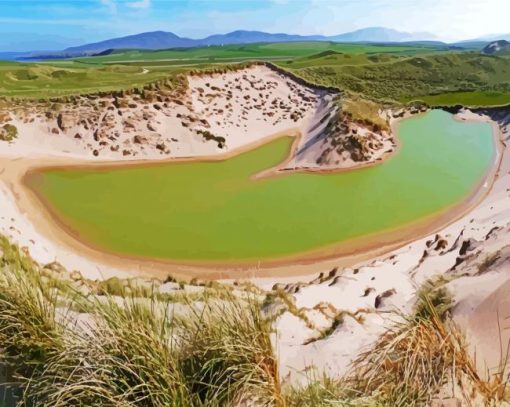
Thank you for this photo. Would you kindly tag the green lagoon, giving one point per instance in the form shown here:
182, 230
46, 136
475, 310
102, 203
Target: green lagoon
214, 210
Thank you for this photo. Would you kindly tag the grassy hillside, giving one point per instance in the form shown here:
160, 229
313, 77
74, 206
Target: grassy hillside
133, 68
405, 79
30, 80
475, 98
335, 58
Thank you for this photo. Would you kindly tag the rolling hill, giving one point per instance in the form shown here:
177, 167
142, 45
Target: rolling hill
147, 40
381, 34
500, 47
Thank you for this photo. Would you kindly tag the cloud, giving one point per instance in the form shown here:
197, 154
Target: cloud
111, 4
141, 4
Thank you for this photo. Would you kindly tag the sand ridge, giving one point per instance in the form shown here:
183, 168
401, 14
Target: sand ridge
211, 115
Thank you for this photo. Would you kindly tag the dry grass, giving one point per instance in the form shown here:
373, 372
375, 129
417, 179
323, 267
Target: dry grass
131, 351
29, 331
488, 262
134, 351
409, 364
8, 132
123, 358
319, 391
226, 355
364, 111
413, 360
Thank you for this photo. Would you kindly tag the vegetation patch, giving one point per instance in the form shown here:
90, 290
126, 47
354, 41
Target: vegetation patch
364, 112
129, 350
126, 350
207, 135
8, 132
409, 364
405, 79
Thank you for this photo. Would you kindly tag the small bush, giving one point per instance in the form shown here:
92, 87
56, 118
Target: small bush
9, 132
207, 135
489, 261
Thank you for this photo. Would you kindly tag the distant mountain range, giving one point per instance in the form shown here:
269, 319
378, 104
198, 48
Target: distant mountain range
494, 37
148, 40
380, 34
164, 40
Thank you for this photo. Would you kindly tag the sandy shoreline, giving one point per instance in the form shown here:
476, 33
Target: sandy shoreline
344, 254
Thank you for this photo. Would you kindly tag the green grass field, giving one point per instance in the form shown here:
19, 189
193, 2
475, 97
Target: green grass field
473, 99
404, 79
253, 51
215, 211
38, 80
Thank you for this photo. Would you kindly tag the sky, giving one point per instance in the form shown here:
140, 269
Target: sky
57, 24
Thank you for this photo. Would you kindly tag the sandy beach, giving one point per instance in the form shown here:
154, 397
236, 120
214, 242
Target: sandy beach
383, 288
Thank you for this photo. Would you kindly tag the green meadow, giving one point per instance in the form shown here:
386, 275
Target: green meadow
63, 78
472, 99
254, 51
400, 80
216, 211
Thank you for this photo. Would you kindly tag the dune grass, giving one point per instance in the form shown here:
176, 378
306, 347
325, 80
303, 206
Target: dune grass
128, 350
468, 77
364, 111
472, 99
135, 353
414, 360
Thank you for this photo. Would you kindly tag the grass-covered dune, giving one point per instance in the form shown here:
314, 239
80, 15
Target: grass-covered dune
38, 80
67, 341
420, 77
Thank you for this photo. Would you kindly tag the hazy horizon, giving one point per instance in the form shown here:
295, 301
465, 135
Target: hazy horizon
57, 24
